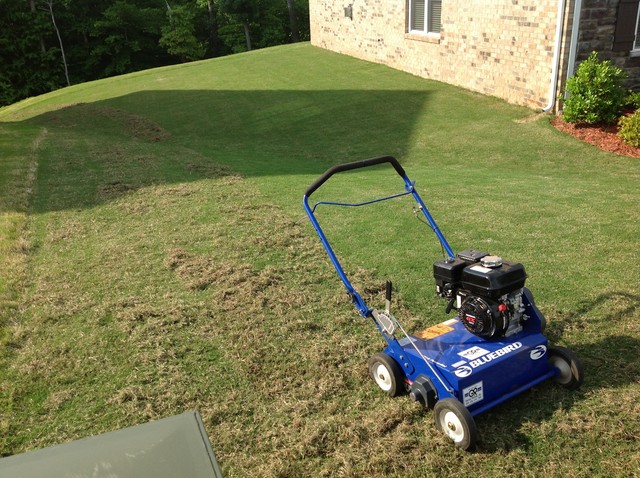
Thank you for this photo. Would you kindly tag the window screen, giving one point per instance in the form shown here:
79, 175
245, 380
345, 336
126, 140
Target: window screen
417, 15
435, 7
425, 16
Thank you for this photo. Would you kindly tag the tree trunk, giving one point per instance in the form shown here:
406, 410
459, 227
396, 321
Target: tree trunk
293, 22
245, 24
214, 41
32, 4
64, 58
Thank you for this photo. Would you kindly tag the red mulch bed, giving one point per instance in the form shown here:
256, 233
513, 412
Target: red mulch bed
604, 137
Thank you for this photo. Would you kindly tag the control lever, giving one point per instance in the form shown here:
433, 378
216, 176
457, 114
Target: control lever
450, 305
388, 297
385, 320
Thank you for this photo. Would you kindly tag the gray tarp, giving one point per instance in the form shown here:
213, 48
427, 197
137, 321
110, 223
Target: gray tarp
177, 446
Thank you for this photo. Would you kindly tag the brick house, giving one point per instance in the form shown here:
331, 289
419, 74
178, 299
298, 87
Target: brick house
520, 50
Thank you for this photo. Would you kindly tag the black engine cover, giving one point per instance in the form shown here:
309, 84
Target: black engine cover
493, 282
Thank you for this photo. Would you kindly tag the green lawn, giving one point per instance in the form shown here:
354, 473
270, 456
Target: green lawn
153, 259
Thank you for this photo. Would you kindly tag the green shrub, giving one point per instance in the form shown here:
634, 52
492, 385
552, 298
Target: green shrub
630, 129
633, 99
595, 92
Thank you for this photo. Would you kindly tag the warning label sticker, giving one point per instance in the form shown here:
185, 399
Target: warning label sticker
473, 394
434, 331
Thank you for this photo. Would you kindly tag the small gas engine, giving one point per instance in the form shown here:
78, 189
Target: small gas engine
485, 290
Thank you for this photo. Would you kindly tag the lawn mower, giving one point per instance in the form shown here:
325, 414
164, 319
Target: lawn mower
492, 351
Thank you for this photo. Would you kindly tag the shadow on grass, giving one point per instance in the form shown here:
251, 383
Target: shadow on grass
616, 304
97, 152
610, 364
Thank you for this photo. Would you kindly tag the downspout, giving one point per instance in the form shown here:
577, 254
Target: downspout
556, 56
573, 47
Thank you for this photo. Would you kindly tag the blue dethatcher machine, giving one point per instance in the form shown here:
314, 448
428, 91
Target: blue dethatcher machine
492, 351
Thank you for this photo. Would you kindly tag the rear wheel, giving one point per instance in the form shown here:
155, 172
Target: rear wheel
571, 373
387, 374
453, 418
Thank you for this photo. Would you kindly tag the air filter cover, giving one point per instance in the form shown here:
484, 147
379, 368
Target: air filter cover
493, 282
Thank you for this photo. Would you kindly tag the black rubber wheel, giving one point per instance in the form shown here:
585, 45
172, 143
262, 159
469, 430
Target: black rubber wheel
387, 374
453, 418
571, 373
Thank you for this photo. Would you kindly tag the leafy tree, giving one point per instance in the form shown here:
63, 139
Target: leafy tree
244, 11
178, 36
27, 66
293, 21
49, 5
262, 23
44, 44
77, 19
129, 36
212, 26
302, 13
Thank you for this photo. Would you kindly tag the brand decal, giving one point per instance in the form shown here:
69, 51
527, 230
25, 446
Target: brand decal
538, 352
486, 358
463, 371
473, 353
472, 394
478, 356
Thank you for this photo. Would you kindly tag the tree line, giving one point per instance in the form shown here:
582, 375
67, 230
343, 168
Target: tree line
48, 44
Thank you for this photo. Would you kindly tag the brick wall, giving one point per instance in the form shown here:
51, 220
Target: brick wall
502, 48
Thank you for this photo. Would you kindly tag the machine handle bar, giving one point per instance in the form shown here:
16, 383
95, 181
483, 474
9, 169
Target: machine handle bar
356, 298
354, 165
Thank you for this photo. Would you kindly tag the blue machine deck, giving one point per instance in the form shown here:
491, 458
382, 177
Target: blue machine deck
481, 373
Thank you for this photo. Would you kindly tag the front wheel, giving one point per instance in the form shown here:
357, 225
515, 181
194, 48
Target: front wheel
453, 418
387, 374
571, 373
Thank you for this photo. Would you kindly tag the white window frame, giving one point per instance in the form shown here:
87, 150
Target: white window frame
428, 12
635, 51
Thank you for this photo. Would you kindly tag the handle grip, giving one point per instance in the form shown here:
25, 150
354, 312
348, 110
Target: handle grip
355, 165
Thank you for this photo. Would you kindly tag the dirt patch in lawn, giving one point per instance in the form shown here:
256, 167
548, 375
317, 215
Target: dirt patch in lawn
602, 136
